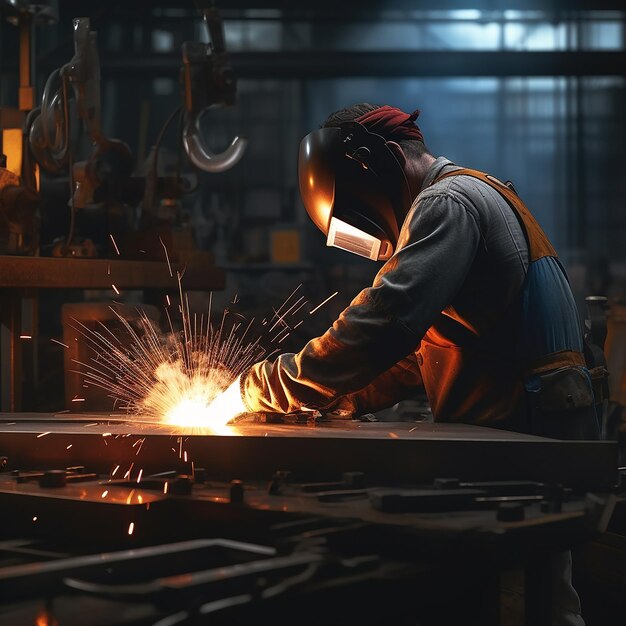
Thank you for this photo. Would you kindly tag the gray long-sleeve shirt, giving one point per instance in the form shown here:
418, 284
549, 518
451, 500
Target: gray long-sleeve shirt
443, 311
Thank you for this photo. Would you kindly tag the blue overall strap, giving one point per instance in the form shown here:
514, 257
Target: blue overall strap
550, 320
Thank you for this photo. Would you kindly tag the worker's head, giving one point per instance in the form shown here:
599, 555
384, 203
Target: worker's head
352, 177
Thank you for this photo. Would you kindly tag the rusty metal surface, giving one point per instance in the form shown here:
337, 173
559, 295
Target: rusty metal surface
391, 453
69, 273
253, 425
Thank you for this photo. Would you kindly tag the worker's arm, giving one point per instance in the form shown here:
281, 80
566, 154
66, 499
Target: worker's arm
400, 382
384, 323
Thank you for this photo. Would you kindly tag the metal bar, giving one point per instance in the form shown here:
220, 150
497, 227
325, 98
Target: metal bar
417, 457
10, 350
68, 273
26, 95
76, 7
309, 64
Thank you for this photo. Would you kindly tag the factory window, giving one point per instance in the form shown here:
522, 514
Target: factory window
429, 30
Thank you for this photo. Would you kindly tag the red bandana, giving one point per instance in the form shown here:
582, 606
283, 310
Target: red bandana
393, 124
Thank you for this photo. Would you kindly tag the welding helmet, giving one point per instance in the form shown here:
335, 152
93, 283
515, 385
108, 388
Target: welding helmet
354, 189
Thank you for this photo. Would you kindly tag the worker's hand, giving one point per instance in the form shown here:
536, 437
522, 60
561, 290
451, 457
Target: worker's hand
229, 404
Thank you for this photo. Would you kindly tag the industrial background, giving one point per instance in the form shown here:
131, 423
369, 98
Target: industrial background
531, 92
100, 198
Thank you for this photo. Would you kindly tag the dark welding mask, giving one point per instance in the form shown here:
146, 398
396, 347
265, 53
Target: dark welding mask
354, 189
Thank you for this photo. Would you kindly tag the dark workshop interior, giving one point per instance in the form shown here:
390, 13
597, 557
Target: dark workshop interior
156, 242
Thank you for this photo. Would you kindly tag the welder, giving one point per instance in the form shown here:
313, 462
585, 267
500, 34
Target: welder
471, 304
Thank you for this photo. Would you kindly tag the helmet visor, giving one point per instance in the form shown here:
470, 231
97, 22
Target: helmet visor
350, 174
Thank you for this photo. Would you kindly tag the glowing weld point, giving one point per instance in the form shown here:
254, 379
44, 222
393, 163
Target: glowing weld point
131, 528
105, 493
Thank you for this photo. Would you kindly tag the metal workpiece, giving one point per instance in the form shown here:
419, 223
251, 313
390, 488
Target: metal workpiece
271, 518
385, 452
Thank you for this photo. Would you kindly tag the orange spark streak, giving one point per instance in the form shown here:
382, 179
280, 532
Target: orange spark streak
167, 257
114, 244
321, 304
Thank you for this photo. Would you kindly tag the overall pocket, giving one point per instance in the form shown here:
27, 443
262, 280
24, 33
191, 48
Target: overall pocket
562, 405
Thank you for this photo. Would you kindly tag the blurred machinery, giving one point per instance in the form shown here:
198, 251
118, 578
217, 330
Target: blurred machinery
71, 194
19, 179
63, 137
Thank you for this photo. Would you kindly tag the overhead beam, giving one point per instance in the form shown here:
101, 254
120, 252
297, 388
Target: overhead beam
290, 65
356, 6
339, 64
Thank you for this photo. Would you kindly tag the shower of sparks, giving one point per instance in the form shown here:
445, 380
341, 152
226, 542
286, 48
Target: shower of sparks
187, 375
